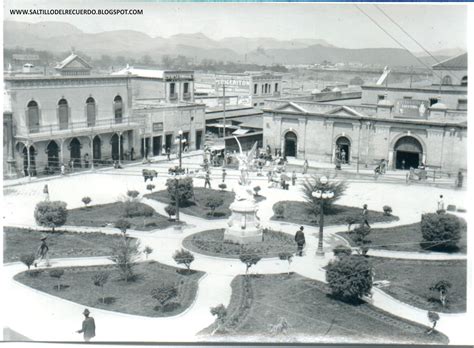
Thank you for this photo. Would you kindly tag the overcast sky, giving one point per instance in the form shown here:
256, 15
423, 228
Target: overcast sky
434, 26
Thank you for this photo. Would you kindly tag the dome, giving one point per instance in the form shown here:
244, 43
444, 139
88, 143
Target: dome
438, 106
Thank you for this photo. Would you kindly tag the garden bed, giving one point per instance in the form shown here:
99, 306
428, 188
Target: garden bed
410, 281
260, 302
107, 214
403, 238
297, 212
197, 206
212, 243
133, 297
20, 241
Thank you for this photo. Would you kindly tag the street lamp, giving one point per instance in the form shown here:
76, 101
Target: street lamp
178, 173
322, 194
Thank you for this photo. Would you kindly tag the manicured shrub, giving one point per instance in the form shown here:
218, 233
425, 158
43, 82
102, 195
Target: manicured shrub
433, 317
441, 231
123, 225
183, 257
213, 202
100, 279
342, 250
51, 214
57, 273
132, 194
249, 260
313, 184
279, 210
27, 259
442, 288
349, 278
148, 250
170, 210
163, 294
133, 209
125, 253
387, 210
86, 200
359, 235
222, 186
257, 189
184, 190
351, 220
150, 187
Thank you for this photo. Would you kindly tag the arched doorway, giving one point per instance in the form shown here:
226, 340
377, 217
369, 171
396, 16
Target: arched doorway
291, 142
75, 148
33, 117
63, 114
90, 109
32, 161
343, 149
114, 141
53, 155
96, 149
408, 153
118, 109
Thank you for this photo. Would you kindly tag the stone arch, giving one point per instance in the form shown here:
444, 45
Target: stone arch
75, 151
447, 80
97, 148
63, 113
409, 151
343, 147
290, 143
91, 111
52, 151
118, 109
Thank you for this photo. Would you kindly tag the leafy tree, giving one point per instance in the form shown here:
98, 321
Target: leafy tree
442, 288
163, 294
257, 189
132, 194
150, 187
387, 210
249, 260
148, 250
100, 279
183, 257
433, 317
279, 210
222, 186
213, 202
170, 210
57, 273
51, 214
349, 277
86, 201
441, 231
351, 220
359, 235
286, 256
342, 250
313, 184
123, 225
184, 191
221, 313
125, 253
28, 259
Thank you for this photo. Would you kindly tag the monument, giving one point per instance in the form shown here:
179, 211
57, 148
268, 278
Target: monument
243, 224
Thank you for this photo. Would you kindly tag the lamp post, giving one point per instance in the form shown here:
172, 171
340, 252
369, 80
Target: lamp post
322, 194
180, 133
178, 173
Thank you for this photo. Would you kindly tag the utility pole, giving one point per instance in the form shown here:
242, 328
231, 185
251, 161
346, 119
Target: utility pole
223, 114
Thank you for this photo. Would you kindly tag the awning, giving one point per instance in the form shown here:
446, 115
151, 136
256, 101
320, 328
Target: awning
240, 131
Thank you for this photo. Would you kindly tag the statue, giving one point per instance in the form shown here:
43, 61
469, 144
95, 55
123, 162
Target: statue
245, 162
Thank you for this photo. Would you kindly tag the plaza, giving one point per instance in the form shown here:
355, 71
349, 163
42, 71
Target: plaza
43, 316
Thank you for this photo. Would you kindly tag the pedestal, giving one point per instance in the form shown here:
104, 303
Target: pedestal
243, 225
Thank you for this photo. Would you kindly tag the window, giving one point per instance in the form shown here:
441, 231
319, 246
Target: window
33, 117
269, 88
255, 89
464, 81
276, 87
90, 110
186, 87
63, 114
263, 89
118, 109
462, 104
380, 97
433, 101
172, 89
407, 98
157, 126
447, 80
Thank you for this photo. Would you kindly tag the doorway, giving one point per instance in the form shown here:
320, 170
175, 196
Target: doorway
53, 155
157, 143
75, 151
291, 142
114, 141
343, 149
96, 149
408, 153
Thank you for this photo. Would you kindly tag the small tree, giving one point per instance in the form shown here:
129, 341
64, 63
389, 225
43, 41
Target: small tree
350, 220
433, 317
342, 250
57, 273
123, 225
349, 277
221, 313
170, 210
222, 186
150, 187
125, 253
359, 235
163, 294
442, 288
279, 210
51, 214
286, 256
86, 200
99, 279
147, 251
27, 259
213, 202
257, 189
387, 210
133, 194
183, 257
313, 184
249, 260
184, 191
441, 231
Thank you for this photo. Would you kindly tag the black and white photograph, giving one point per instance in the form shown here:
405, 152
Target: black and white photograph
216, 173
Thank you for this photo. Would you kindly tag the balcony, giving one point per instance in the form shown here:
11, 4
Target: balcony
186, 96
173, 96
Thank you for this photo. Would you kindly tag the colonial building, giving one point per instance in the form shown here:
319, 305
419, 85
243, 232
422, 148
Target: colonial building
406, 126
94, 119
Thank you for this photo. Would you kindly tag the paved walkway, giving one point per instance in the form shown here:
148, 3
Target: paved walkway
44, 317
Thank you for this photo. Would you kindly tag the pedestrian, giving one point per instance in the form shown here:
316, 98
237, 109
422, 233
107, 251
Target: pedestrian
223, 174
300, 241
282, 182
293, 178
305, 166
63, 169
460, 179
403, 164
86, 160
343, 156
71, 165
441, 203
46, 193
207, 180
168, 153
132, 153
365, 216
88, 326
42, 253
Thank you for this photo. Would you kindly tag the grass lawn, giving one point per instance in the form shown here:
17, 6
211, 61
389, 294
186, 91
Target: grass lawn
18, 241
105, 214
259, 304
212, 243
297, 212
402, 238
132, 297
197, 207
410, 281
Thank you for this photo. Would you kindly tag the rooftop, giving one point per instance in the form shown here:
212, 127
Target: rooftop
149, 73
458, 62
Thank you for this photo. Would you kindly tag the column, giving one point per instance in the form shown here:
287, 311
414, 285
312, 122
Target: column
119, 147
91, 139
61, 141
301, 142
28, 168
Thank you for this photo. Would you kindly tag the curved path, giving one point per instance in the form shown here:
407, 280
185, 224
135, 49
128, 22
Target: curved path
40, 316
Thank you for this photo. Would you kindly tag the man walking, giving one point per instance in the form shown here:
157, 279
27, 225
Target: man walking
223, 174
88, 326
46, 193
365, 215
300, 241
43, 252
305, 166
293, 178
168, 153
207, 180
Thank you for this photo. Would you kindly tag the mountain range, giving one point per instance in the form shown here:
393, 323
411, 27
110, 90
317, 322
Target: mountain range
59, 37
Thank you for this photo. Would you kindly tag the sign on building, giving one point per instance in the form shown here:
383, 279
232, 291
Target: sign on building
232, 80
157, 126
25, 57
411, 108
